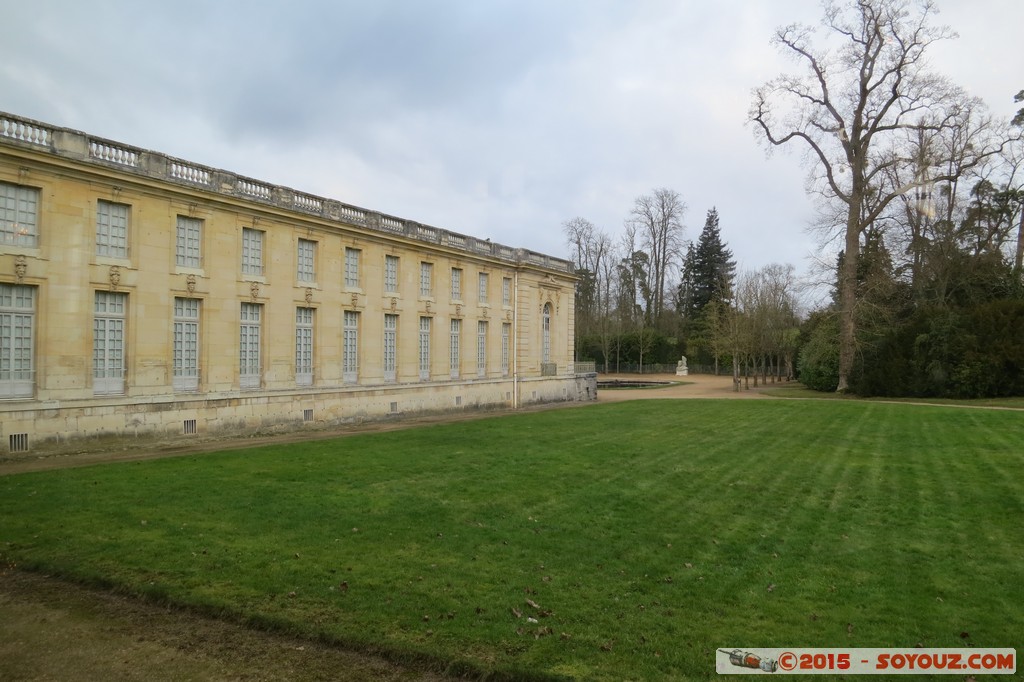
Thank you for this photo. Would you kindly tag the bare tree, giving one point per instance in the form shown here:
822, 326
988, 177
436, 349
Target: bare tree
973, 212
738, 328
776, 315
658, 221
1013, 163
853, 109
716, 318
633, 279
609, 324
579, 235
590, 248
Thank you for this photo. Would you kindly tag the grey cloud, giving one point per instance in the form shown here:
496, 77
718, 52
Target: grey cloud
495, 117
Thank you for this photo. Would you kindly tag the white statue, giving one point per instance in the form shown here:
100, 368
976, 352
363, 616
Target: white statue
681, 369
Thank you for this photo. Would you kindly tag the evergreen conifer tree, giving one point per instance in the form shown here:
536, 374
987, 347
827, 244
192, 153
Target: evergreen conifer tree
708, 270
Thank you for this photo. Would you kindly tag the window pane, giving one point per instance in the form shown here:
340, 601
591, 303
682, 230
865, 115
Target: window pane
424, 348
17, 320
187, 242
391, 273
186, 344
505, 334
456, 284
252, 251
350, 347
249, 345
351, 267
453, 347
304, 346
18, 214
390, 346
108, 342
307, 261
481, 348
426, 275
111, 229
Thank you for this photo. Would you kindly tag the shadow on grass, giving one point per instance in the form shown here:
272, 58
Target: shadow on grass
802, 392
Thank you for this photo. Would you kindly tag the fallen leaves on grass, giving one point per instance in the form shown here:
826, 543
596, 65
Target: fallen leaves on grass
542, 612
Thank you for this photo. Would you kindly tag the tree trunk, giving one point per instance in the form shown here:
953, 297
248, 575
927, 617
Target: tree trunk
641, 337
1018, 260
848, 295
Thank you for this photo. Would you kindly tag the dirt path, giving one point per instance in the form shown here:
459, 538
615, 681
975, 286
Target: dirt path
54, 630
51, 630
694, 386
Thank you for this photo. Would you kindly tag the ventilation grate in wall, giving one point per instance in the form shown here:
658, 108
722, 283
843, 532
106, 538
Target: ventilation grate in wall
307, 415
18, 442
189, 426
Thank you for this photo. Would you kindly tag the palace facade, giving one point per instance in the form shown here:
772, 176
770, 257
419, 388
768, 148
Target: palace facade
144, 295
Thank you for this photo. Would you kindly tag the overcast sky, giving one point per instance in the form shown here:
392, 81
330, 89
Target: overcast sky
496, 118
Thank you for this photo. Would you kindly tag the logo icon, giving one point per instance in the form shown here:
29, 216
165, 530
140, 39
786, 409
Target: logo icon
745, 659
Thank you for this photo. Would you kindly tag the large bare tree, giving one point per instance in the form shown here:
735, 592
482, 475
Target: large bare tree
591, 250
855, 108
658, 221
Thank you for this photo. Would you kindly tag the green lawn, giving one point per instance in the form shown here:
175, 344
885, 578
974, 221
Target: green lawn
647, 534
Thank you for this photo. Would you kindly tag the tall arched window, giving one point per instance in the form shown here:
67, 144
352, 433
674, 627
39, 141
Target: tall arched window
547, 333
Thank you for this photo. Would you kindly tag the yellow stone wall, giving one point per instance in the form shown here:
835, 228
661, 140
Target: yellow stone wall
73, 172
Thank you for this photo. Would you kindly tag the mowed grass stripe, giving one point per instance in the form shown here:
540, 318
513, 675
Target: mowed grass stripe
653, 532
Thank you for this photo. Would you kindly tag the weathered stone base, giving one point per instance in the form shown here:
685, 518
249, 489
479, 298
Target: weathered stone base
119, 422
